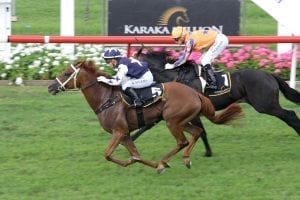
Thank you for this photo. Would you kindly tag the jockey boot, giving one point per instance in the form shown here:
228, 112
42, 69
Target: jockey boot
210, 77
133, 95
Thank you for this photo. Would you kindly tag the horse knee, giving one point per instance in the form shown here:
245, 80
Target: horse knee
107, 157
198, 133
183, 144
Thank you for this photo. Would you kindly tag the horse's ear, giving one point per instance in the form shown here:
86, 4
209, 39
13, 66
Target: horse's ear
170, 59
78, 62
139, 52
91, 63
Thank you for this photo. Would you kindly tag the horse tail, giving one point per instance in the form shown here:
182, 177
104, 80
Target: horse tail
289, 93
231, 112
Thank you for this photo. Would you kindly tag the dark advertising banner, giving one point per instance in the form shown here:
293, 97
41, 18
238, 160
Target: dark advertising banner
157, 17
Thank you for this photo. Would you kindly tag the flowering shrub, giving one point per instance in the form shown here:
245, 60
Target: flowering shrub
259, 57
42, 62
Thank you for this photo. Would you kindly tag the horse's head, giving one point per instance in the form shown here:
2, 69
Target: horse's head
156, 60
75, 76
185, 74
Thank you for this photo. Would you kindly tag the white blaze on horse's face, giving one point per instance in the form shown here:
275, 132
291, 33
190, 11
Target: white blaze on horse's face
72, 76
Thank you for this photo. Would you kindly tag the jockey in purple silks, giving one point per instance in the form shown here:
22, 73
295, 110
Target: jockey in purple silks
131, 74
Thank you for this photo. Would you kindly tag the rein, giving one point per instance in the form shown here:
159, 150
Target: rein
89, 85
110, 102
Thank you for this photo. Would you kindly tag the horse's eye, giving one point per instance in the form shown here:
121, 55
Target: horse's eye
67, 74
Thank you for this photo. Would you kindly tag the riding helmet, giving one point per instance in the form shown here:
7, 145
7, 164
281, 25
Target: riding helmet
112, 53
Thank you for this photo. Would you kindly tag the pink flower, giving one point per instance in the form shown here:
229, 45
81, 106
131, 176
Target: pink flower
247, 56
241, 58
263, 62
158, 48
235, 55
224, 60
277, 71
248, 48
279, 65
256, 57
230, 64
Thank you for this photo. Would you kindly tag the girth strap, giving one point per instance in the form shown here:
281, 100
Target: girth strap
140, 117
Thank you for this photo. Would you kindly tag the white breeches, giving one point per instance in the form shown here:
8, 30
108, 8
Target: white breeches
144, 81
216, 49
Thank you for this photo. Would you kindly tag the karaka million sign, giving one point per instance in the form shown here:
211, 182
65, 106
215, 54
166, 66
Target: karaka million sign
157, 17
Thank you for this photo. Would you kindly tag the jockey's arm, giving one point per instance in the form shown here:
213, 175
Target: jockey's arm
116, 79
186, 53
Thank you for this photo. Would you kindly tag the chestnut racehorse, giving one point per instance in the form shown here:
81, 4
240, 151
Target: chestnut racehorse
119, 118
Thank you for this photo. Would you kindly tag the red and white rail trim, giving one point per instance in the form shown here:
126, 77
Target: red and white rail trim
139, 39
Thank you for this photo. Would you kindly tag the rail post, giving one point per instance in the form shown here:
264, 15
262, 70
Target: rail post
5, 29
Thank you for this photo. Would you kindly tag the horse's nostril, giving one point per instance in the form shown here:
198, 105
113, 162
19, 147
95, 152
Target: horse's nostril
52, 89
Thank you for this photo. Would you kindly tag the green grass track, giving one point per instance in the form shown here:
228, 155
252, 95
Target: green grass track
52, 148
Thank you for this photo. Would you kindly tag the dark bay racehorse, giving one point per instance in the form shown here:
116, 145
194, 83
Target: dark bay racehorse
255, 87
119, 118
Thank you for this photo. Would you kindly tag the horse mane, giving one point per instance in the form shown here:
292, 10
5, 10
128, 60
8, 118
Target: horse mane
160, 58
90, 66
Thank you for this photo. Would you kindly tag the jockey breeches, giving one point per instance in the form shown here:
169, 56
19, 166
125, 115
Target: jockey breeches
216, 49
144, 81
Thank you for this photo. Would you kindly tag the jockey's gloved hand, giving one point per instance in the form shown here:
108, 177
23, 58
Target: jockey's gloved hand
101, 79
169, 66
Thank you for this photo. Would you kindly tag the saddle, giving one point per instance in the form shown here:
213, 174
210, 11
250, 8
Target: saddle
223, 84
148, 95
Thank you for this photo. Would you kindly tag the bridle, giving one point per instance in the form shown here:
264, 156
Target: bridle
72, 76
110, 102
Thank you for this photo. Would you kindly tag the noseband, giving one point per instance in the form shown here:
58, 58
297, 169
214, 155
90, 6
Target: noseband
72, 76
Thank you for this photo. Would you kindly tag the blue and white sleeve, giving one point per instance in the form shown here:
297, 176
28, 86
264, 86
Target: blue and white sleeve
186, 53
116, 79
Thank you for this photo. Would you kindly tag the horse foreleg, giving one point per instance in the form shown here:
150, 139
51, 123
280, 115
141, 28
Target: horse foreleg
115, 140
195, 132
130, 146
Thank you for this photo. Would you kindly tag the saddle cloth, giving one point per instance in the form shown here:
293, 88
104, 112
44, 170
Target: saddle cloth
148, 95
223, 84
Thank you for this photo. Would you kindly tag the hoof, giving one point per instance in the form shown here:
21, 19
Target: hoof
187, 163
167, 165
160, 171
161, 168
136, 159
208, 154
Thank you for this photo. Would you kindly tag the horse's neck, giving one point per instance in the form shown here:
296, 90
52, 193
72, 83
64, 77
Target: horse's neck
165, 76
98, 94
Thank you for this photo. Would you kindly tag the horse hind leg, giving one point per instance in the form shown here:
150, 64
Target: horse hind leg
197, 122
177, 132
271, 106
289, 117
195, 132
